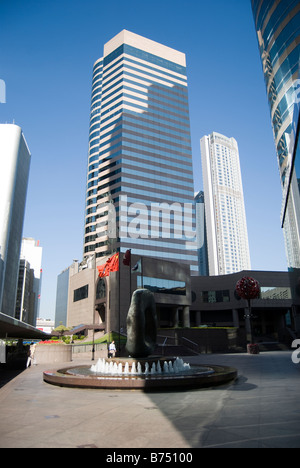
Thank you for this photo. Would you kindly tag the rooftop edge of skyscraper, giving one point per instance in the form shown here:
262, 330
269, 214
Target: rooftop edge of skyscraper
148, 45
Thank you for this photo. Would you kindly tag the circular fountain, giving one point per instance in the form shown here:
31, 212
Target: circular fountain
146, 374
142, 370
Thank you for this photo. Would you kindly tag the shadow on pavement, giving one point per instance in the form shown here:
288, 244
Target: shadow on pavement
7, 373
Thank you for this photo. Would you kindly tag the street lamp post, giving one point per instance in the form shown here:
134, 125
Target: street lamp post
248, 288
248, 316
93, 348
94, 310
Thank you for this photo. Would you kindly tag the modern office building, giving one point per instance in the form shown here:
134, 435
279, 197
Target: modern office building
275, 313
25, 296
62, 293
184, 301
140, 190
201, 234
227, 236
29, 283
277, 26
45, 325
14, 172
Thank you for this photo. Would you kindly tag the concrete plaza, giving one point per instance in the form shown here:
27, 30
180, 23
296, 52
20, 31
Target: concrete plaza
260, 409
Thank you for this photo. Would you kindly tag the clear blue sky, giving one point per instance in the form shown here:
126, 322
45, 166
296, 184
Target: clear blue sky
47, 52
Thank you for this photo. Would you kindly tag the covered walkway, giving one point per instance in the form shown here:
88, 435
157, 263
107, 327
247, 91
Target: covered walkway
13, 328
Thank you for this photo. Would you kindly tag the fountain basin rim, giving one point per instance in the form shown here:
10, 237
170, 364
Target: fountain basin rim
221, 375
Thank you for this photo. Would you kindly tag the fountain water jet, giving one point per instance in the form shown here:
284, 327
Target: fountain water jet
123, 368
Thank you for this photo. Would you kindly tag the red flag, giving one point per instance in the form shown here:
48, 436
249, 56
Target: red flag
112, 264
102, 270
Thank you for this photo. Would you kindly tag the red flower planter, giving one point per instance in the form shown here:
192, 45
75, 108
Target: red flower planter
252, 348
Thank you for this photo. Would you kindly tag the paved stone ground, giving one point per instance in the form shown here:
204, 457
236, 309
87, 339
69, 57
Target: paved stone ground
261, 409
6, 375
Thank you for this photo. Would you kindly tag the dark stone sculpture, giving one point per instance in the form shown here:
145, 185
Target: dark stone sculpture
141, 324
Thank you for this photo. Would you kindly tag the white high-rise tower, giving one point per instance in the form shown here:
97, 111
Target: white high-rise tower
227, 237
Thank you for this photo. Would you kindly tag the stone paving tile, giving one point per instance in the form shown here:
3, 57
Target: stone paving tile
260, 409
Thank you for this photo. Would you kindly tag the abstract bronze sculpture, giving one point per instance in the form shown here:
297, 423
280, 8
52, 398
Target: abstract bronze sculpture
141, 324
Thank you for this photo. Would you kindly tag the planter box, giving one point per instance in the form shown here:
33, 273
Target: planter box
52, 353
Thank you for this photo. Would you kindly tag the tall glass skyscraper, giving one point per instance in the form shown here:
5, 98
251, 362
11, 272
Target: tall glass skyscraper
140, 190
14, 173
277, 25
227, 235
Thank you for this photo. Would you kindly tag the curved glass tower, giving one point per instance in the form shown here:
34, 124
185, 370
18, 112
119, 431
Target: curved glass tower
140, 189
14, 173
277, 25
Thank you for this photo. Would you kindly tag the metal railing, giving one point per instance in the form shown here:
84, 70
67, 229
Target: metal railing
191, 344
86, 348
164, 344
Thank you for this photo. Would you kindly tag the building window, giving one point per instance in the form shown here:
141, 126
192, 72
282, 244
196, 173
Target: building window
275, 292
101, 289
81, 293
162, 286
215, 296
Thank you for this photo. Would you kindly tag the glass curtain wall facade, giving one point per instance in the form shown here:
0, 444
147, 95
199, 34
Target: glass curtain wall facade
291, 207
201, 234
140, 189
277, 25
14, 174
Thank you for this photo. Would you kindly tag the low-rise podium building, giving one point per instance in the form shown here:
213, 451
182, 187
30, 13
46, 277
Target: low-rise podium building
182, 300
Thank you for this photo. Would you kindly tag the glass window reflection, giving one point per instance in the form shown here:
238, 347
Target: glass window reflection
162, 286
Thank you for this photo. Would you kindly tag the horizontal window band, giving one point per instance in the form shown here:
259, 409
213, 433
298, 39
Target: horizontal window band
146, 56
142, 137
146, 156
124, 58
145, 98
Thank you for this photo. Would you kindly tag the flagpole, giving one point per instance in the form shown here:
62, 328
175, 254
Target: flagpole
94, 310
142, 272
119, 346
130, 278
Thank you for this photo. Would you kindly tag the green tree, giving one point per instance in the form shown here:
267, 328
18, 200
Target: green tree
61, 329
